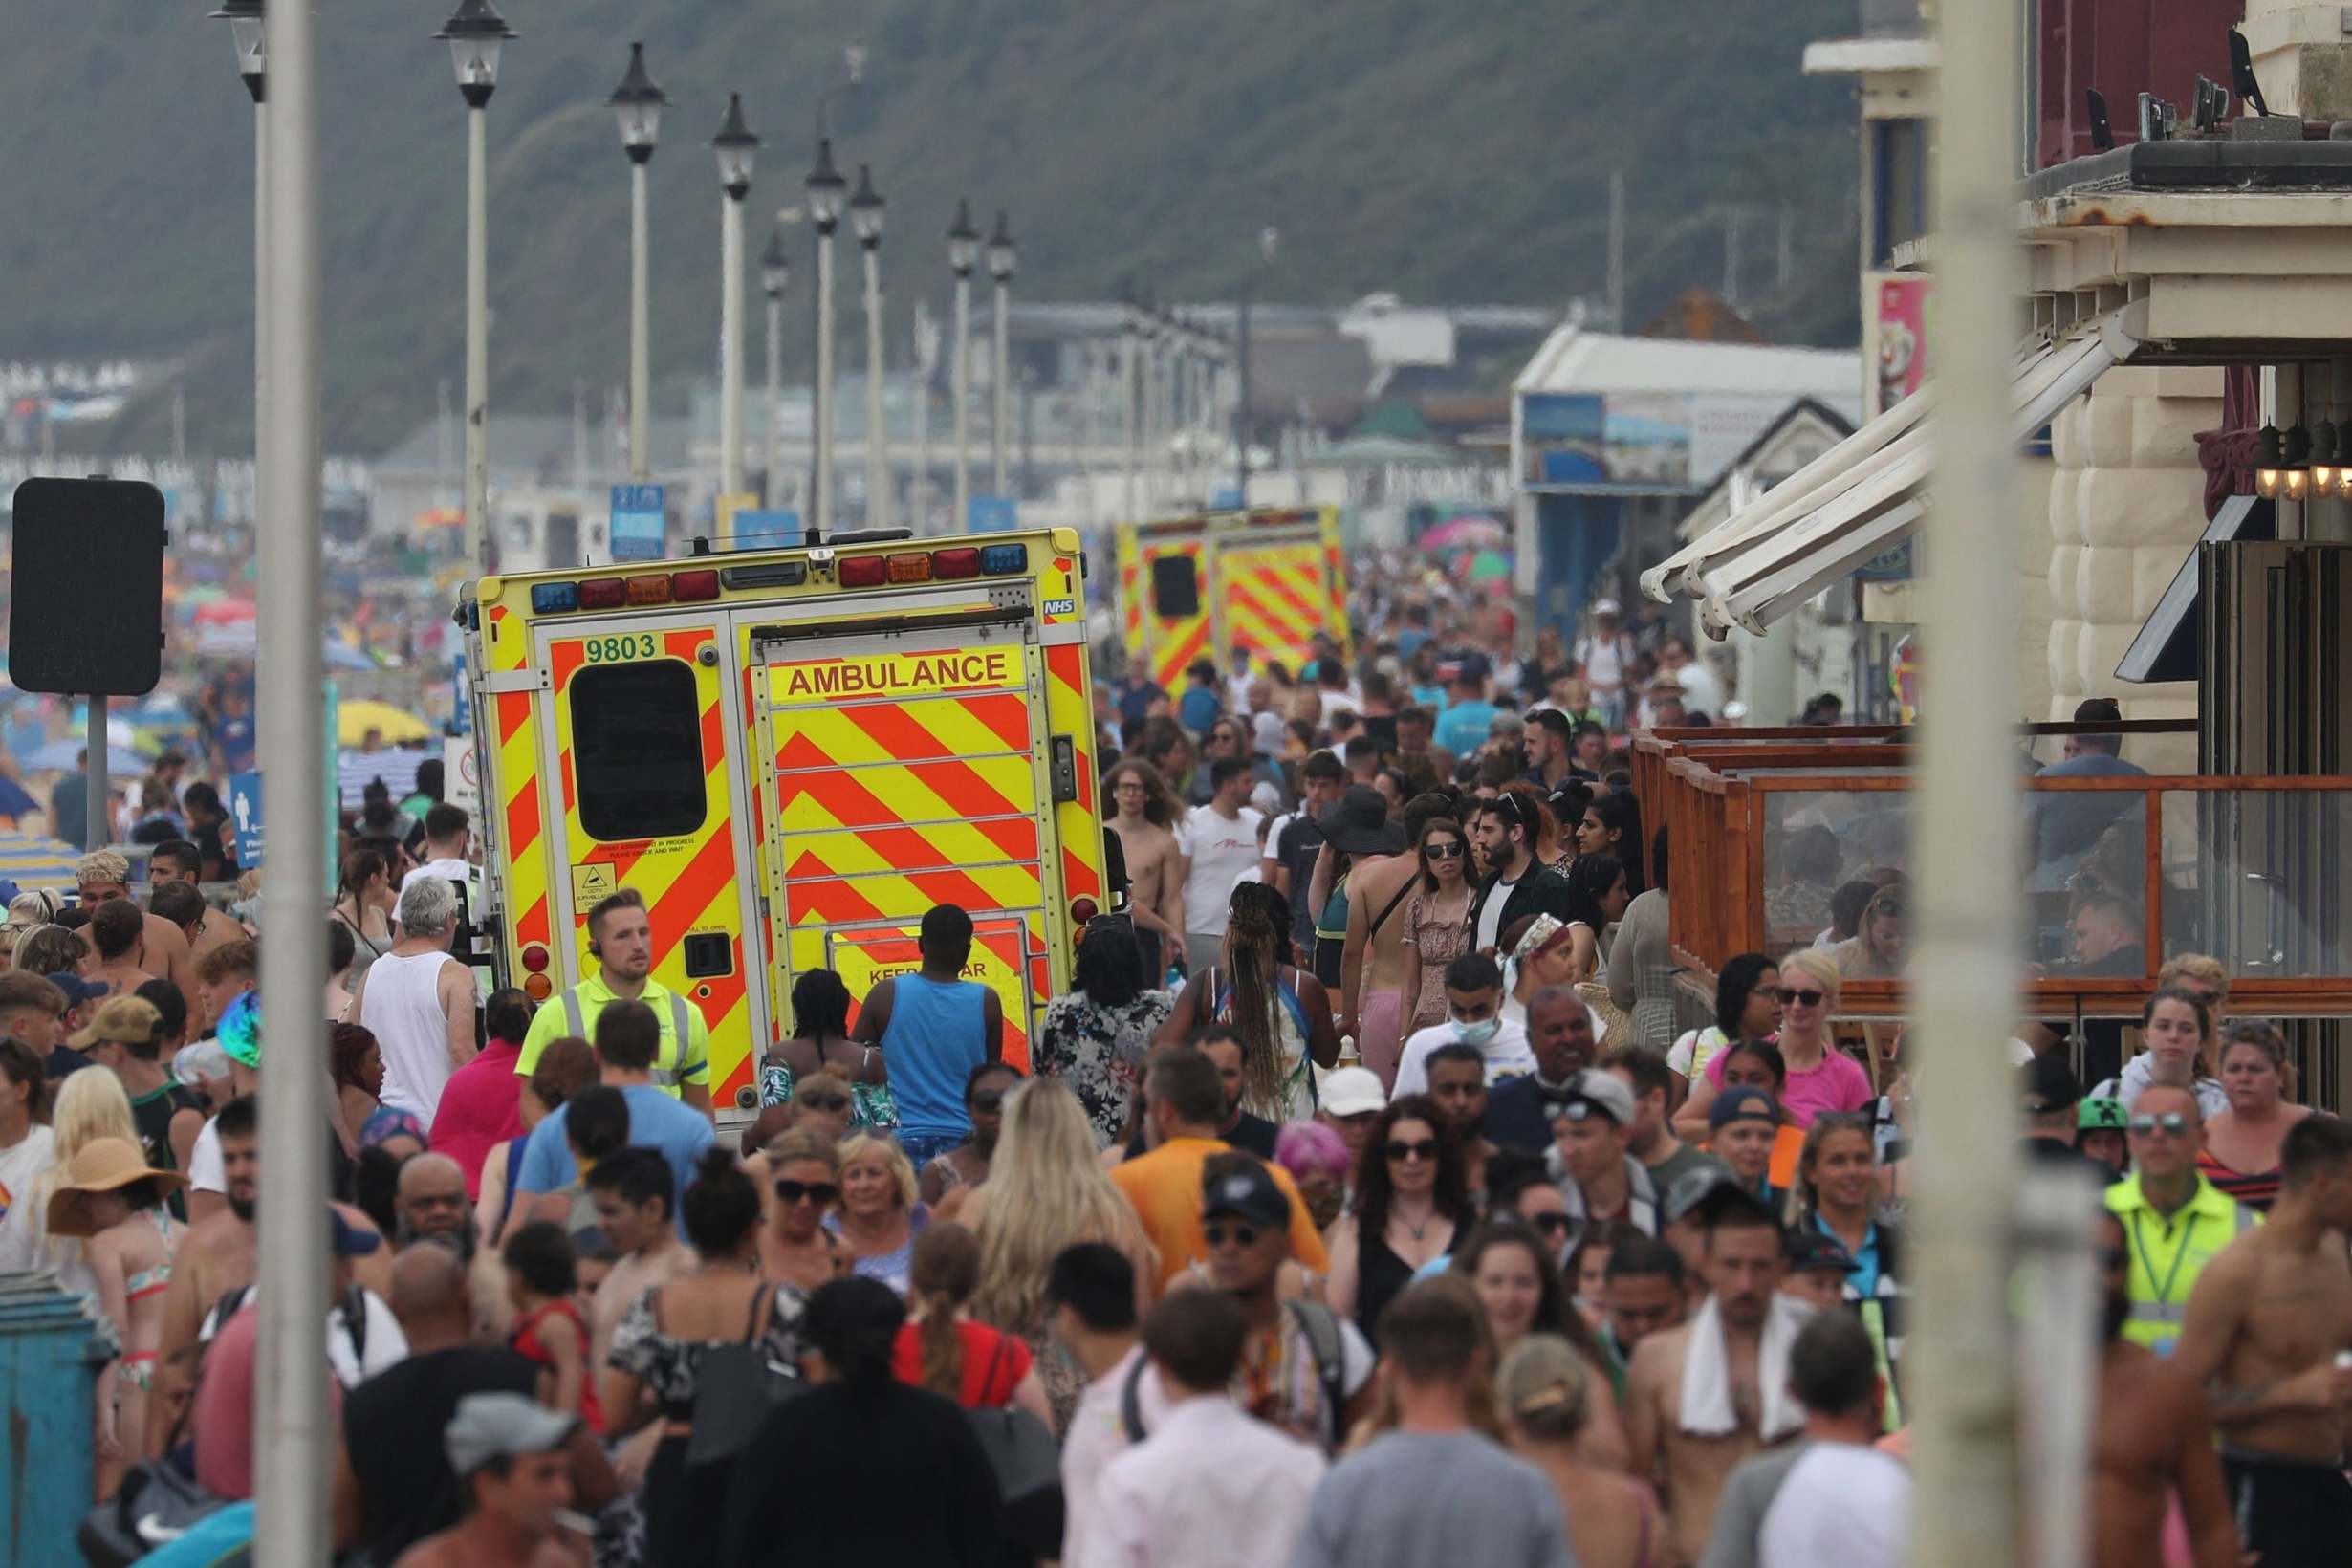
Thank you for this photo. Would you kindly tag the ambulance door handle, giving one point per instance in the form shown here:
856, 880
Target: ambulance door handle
1062, 764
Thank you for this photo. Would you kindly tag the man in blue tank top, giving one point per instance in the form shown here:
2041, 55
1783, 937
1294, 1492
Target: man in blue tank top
933, 1026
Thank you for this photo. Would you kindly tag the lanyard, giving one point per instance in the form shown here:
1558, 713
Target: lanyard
2163, 1292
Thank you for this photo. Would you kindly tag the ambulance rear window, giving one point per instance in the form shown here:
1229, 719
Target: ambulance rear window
1175, 587
637, 751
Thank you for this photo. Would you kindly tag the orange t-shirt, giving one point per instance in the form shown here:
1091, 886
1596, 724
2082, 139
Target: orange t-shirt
1164, 1186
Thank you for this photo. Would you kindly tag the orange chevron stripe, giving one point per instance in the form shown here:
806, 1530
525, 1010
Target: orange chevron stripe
513, 711
533, 926
523, 819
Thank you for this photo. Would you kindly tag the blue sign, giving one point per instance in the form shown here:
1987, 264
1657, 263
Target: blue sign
244, 815
641, 523
1226, 499
766, 530
991, 515
462, 721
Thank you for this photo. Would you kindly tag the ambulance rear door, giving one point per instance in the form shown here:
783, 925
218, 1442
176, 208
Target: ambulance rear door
636, 718
906, 762
1274, 591
1170, 604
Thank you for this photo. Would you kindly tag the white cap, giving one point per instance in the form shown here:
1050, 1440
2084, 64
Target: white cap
1604, 607
1351, 1091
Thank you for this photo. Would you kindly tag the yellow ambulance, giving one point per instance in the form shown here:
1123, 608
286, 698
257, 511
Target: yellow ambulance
1266, 579
792, 754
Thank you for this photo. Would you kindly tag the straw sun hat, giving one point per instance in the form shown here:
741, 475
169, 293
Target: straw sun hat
103, 1164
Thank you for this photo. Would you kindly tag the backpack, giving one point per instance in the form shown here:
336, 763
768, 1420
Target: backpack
1322, 1330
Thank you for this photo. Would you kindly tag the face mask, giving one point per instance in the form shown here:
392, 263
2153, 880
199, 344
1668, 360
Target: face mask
1477, 1034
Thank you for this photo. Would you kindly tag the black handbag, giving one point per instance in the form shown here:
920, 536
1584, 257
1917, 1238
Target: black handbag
1028, 1464
735, 1387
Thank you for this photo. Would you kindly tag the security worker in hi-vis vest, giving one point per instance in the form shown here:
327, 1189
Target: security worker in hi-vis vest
620, 940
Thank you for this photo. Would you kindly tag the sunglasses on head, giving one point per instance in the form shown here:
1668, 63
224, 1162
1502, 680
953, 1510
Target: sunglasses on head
1420, 1149
1448, 851
819, 1194
1216, 1234
2172, 1122
1788, 995
824, 1102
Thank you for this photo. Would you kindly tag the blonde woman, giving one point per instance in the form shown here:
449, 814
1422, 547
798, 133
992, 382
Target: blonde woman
90, 1105
878, 1215
1820, 1078
1046, 1192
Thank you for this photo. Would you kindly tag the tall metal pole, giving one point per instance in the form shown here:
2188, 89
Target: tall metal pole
477, 335
1000, 419
261, 283
776, 395
641, 323
961, 374
824, 378
1130, 391
877, 426
1966, 977
97, 830
291, 1428
927, 361
730, 361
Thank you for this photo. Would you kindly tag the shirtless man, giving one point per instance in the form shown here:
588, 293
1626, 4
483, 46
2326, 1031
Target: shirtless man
1148, 811
1372, 965
2267, 1322
1740, 1260
104, 874
2151, 1437
215, 1255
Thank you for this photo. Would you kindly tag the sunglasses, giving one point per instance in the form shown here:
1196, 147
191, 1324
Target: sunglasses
1420, 1149
819, 1194
2172, 1123
1550, 1224
1443, 851
1788, 995
1241, 1236
988, 1099
824, 1102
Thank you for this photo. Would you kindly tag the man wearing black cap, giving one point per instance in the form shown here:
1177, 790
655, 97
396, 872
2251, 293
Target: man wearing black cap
1816, 1266
2047, 1089
1504, 830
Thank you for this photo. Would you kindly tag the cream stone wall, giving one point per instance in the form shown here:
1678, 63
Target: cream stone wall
2125, 508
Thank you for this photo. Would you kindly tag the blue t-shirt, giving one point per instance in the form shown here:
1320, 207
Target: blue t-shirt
1464, 727
236, 738
671, 1127
1199, 708
936, 1037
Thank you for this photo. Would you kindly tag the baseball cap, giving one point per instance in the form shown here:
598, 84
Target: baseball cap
2047, 1084
345, 1239
490, 1426
78, 992
1251, 1194
1351, 1091
1604, 607
1743, 1102
1697, 1192
1806, 1250
124, 1020
2100, 1115
1593, 1090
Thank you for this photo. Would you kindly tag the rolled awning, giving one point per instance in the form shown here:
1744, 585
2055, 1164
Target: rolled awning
1860, 498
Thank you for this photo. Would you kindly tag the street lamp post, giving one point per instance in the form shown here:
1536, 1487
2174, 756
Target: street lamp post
735, 146
476, 33
865, 221
827, 192
963, 254
246, 30
1268, 240
1002, 258
1130, 391
776, 272
637, 103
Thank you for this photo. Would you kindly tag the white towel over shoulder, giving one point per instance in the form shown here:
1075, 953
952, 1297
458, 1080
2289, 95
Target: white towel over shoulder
1707, 1409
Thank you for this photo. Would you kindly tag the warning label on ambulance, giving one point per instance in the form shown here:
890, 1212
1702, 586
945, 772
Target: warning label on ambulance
898, 675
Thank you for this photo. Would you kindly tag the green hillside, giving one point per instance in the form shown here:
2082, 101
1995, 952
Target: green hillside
1449, 151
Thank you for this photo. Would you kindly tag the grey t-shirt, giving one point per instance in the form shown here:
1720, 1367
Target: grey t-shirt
1414, 1498
1747, 1496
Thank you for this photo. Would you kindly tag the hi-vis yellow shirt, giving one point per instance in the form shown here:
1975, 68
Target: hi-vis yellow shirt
685, 1054
2167, 1255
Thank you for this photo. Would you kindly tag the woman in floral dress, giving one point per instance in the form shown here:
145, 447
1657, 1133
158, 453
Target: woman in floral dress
1093, 1040
1437, 920
820, 1029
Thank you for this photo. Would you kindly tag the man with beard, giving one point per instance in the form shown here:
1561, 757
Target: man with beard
1703, 1396
2151, 1436
215, 1255
2268, 1323
429, 1207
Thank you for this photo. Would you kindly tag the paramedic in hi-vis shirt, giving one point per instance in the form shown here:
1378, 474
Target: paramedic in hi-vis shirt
620, 940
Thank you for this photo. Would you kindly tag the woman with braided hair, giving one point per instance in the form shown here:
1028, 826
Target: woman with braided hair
1282, 1014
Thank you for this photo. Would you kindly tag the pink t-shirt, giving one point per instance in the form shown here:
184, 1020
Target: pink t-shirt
1838, 1084
480, 1107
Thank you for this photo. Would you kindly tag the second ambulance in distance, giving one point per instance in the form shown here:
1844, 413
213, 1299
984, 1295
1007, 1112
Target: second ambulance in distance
791, 754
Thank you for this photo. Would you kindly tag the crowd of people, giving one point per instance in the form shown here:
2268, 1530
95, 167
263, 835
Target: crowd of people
1368, 1199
